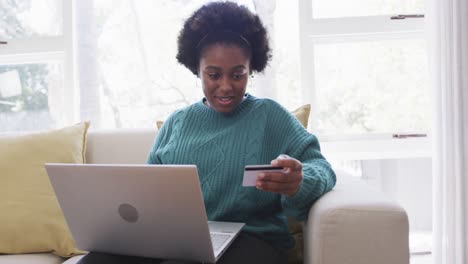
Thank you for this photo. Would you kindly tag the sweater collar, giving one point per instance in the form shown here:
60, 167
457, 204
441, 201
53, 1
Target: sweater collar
245, 104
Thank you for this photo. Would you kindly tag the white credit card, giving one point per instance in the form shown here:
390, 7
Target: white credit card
251, 172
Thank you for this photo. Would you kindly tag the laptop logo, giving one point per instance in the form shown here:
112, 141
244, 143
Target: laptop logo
128, 213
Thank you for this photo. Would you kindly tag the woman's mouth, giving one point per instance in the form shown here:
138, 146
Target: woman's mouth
224, 100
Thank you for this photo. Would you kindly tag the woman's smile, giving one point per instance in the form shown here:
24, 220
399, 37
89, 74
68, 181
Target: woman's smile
225, 100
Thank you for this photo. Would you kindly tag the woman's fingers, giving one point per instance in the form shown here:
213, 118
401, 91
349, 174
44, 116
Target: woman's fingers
291, 163
278, 187
286, 182
279, 177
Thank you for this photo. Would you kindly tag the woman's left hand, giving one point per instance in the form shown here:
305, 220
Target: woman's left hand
286, 182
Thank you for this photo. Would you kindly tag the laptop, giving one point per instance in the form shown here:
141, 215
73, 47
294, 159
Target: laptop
153, 211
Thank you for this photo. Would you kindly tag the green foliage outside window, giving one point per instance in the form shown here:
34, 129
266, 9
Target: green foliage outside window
32, 76
33, 88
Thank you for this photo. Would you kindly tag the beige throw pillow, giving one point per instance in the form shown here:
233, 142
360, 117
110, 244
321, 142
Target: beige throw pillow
30, 217
302, 114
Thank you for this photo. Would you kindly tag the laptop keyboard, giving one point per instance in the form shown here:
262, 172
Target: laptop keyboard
218, 239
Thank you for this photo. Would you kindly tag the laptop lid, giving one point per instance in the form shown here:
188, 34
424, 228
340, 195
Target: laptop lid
154, 211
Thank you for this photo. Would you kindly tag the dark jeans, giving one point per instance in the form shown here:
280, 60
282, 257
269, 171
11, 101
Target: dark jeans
245, 249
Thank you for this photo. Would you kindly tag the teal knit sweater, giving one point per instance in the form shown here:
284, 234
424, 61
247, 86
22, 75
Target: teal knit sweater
220, 144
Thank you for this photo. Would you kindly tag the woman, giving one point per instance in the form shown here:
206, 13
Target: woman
223, 43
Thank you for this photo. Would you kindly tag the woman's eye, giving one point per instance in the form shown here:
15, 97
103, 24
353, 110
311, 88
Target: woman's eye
237, 76
214, 75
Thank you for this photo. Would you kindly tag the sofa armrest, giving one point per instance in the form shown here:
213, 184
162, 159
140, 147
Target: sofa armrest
356, 224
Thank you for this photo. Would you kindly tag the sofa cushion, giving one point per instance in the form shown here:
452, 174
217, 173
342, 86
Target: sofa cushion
120, 146
72, 260
39, 258
32, 221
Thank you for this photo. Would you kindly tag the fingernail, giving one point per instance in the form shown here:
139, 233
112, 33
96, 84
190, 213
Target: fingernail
261, 176
258, 185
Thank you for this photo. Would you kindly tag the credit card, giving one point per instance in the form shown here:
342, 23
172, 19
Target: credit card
251, 172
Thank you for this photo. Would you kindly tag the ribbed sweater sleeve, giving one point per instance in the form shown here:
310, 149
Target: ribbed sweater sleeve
318, 176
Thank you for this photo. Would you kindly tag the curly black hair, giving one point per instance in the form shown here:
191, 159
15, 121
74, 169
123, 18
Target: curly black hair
223, 22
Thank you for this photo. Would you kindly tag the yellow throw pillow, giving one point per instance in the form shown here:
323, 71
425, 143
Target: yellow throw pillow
31, 220
302, 114
159, 124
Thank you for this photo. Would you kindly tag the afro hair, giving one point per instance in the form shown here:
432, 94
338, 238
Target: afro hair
214, 20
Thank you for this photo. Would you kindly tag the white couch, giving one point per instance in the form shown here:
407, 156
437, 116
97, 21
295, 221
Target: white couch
352, 224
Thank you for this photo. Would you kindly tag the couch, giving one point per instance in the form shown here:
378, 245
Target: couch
352, 224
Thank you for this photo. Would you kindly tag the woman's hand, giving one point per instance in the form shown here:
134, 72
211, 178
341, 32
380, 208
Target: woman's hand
286, 182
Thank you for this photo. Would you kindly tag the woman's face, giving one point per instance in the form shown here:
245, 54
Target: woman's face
224, 72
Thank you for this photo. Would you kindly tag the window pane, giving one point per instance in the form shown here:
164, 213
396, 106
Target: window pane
27, 18
286, 55
377, 86
328, 8
28, 95
140, 78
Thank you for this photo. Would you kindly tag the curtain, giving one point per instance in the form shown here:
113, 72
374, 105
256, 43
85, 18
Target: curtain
266, 12
448, 27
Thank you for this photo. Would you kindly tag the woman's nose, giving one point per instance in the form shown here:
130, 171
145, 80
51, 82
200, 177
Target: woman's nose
225, 84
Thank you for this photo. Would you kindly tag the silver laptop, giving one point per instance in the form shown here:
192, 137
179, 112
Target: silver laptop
154, 211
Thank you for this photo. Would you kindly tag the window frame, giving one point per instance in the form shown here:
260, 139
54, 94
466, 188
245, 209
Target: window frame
40, 49
347, 30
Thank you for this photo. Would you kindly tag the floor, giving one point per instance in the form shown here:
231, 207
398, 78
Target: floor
421, 247
424, 259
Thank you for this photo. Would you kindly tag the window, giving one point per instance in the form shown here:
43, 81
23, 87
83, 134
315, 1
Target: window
25, 19
26, 89
123, 53
362, 8
367, 78
382, 86
127, 75
35, 64
367, 72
